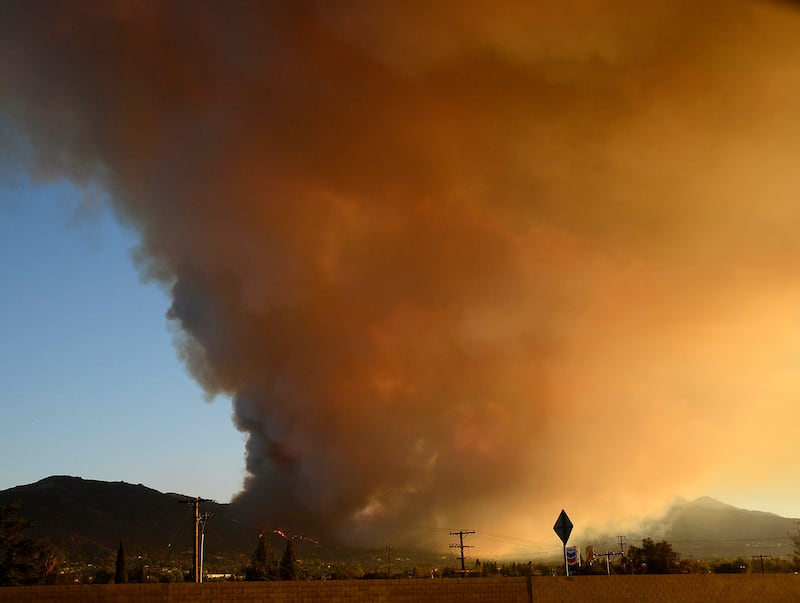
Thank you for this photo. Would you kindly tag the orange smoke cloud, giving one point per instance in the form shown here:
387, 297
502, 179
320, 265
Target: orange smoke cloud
451, 263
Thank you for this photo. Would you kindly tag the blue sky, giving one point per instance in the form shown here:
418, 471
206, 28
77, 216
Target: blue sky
91, 384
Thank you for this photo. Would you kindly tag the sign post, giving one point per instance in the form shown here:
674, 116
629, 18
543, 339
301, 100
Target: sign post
563, 527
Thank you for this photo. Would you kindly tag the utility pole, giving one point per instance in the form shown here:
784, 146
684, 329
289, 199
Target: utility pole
204, 517
622, 543
195, 502
608, 555
762, 561
388, 561
462, 546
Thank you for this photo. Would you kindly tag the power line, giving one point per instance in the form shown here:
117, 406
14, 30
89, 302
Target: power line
516, 540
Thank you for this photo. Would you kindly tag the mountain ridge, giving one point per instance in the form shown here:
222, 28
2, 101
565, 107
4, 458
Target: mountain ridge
86, 519
708, 528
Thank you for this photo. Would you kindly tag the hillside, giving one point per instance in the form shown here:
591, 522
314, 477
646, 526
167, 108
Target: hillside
87, 519
706, 528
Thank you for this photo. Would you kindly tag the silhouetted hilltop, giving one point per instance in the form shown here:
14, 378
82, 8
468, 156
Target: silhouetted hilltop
706, 526
87, 519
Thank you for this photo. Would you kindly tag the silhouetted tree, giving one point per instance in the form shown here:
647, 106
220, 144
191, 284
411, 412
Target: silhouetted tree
796, 544
694, 566
22, 560
120, 571
262, 565
489, 568
652, 558
172, 576
288, 568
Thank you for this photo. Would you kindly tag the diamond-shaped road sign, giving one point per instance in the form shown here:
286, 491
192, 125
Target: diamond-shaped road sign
563, 527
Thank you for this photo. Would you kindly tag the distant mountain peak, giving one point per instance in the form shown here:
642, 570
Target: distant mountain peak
710, 503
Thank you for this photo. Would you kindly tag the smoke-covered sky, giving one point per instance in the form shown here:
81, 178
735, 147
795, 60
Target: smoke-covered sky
458, 264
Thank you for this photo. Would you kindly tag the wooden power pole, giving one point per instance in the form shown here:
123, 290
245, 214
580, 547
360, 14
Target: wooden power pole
195, 502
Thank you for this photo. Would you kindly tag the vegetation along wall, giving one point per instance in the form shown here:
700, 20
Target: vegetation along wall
699, 588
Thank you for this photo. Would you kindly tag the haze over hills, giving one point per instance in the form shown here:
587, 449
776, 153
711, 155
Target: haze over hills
706, 524
86, 519
707, 528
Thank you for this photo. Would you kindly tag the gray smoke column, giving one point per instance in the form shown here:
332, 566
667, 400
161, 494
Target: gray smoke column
458, 264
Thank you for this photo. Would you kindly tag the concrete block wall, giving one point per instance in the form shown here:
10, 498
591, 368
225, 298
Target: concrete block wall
640, 589
680, 588
513, 590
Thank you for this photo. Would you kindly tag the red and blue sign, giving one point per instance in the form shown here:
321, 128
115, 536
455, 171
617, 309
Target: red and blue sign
572, 555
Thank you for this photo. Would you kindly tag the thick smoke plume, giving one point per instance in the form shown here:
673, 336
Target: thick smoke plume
458, 264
